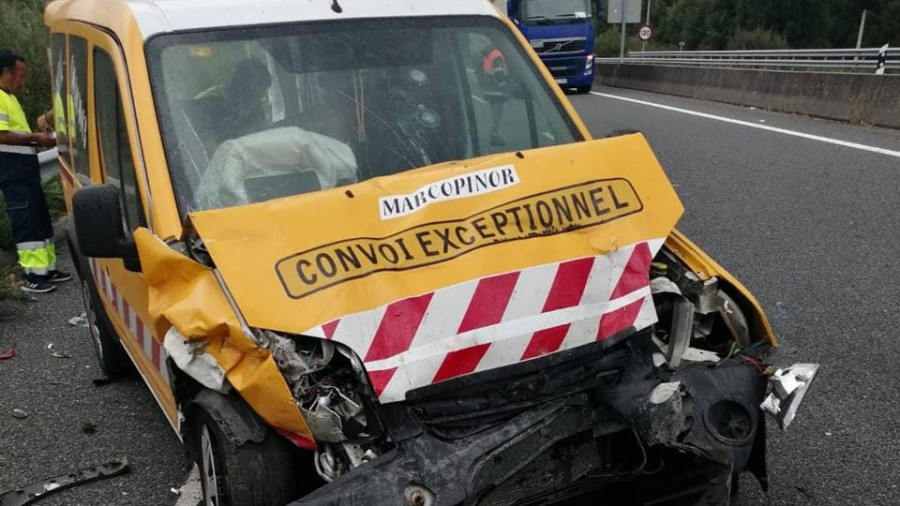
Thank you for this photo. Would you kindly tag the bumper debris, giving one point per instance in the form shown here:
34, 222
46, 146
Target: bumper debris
33, 492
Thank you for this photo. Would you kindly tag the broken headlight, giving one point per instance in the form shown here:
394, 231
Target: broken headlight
330, 387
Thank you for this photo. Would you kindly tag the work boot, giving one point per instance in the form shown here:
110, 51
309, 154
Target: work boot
36, 284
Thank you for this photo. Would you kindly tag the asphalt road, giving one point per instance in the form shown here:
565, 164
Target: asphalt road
813, 230
810, 227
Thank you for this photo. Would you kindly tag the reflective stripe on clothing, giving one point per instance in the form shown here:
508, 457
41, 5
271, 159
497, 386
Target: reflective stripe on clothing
19, 150
15, 115
36, 257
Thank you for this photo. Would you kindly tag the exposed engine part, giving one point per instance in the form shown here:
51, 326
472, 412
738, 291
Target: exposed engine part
698, 321
329, 384
334, 460
680, 330
661, 284
734, 319
326, 465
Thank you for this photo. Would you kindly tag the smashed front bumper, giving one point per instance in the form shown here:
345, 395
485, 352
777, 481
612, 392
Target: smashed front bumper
600, 417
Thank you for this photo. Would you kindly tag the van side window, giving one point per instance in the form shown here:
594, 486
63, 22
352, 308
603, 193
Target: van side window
76, 108
115, 150
58, 67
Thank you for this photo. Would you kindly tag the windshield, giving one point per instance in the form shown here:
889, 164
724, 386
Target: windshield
248, 115
544, 12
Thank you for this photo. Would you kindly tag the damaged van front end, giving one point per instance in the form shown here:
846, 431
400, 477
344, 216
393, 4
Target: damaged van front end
557, 338
358, 270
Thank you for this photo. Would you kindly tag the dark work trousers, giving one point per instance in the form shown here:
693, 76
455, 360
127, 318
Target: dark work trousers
29, 218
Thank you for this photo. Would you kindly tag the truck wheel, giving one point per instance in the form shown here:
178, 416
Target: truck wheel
584, 89
246, 474
110, 354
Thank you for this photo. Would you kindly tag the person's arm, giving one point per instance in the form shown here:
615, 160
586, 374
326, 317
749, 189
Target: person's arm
46, 121
23, 139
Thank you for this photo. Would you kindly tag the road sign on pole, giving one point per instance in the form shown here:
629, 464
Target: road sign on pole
622, 12
645, 32
631, 8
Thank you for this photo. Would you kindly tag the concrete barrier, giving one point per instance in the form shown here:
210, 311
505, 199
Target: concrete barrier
856, 98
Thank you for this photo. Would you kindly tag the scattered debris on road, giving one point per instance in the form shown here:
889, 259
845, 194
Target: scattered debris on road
57, 354
89, 428
8, 354
79, 321
18, 413
35, 491
99, 382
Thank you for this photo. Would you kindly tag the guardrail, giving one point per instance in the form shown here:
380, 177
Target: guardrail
810, 60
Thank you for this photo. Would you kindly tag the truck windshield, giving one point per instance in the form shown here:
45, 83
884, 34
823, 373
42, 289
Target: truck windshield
252, 114
552, 12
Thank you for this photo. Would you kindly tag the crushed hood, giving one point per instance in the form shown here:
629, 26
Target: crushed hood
459, 267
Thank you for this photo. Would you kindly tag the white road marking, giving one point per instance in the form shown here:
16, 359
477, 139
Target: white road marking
829, 140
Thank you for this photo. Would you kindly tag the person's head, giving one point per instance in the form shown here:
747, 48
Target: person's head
12, 70
250, 81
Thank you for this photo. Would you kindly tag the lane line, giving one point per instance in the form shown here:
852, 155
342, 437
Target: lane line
829, 140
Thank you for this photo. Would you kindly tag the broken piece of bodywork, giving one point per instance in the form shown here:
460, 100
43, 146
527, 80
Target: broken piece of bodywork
40, 489
789, 387
187, 295
192, 358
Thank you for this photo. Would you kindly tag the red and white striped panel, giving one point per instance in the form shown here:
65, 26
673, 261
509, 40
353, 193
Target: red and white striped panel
140, 332
499, 320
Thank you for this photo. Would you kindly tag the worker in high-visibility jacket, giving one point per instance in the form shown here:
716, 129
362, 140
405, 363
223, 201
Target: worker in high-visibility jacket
20, 182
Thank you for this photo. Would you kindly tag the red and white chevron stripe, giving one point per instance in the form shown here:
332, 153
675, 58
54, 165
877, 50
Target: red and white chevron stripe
140, 332
498, 320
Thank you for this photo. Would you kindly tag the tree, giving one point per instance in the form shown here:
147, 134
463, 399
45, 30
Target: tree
22, 30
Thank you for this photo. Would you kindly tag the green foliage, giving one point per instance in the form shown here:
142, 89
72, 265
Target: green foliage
9, 284
756, 39
22, 30
770, 24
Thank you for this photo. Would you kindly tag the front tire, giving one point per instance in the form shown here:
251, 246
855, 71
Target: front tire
249, 473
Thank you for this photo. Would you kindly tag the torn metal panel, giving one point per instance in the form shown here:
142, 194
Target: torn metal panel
187, 296
35, 491
192, 358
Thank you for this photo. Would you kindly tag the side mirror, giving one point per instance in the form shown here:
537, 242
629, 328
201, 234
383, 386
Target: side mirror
98, 226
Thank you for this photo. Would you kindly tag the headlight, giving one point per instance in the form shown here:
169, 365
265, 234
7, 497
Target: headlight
589, 65
329, 386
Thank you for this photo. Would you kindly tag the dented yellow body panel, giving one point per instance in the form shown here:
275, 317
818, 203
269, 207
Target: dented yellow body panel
185, 294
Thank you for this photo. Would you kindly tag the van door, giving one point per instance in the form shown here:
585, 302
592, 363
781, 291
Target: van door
125, 292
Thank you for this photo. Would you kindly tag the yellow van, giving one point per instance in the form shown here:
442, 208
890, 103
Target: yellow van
367, 253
